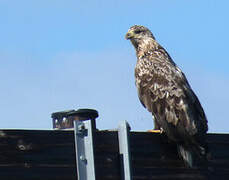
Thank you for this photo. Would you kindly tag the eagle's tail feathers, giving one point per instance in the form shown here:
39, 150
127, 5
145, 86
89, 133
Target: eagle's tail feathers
186, 155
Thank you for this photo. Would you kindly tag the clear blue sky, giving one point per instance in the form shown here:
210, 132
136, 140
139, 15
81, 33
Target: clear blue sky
58, 55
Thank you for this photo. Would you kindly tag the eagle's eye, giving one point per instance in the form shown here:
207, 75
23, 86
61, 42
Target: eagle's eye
137, 31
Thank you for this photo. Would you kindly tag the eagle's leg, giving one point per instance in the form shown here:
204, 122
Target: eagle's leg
156, 125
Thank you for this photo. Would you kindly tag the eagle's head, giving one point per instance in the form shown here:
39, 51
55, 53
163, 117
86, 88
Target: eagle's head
138, 34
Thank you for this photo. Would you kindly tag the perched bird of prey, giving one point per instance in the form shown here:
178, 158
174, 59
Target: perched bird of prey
164, 90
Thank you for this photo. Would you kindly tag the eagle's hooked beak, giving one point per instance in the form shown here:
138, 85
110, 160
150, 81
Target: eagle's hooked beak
129, 35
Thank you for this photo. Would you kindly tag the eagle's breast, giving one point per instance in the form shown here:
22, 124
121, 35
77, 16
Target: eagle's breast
157, 88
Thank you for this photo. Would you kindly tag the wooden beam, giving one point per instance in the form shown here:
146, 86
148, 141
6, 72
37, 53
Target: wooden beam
50, 155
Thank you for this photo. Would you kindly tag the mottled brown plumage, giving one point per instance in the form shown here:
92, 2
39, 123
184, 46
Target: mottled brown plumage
164, 90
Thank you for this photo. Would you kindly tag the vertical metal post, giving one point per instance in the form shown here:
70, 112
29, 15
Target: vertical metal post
124, 150
84, 150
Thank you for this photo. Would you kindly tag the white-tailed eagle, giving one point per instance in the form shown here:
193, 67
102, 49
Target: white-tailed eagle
164, 90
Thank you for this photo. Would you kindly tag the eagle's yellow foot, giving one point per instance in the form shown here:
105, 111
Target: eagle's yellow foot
155, 131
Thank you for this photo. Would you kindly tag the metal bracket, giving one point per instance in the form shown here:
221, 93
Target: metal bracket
84, 150
124, 150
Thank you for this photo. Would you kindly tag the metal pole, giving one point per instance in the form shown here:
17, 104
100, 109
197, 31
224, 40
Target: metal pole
84, 150
124, 150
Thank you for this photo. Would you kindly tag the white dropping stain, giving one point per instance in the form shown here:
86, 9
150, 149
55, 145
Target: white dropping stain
2, 134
